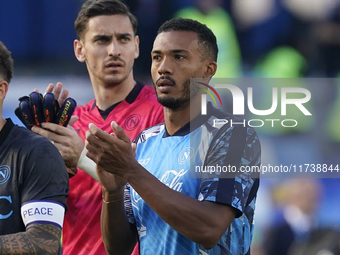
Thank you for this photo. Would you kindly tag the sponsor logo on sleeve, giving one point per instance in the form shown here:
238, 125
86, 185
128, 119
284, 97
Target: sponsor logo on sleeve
144, 162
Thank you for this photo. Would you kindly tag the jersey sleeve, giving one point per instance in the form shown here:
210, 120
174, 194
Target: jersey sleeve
239, 148
44, 175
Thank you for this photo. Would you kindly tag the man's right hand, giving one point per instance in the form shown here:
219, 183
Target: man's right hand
66, 139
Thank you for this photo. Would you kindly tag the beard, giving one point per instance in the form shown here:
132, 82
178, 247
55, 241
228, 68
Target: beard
174, 103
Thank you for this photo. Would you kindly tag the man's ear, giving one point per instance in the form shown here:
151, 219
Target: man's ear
136, 46
79, 50
211, 68
3, 90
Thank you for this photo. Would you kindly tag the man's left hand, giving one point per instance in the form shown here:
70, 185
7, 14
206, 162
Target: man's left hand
111, 152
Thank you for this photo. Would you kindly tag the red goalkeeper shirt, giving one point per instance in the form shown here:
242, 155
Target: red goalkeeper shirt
81, 231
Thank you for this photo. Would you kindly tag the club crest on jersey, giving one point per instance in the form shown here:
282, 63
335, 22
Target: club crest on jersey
5, 173
132, 122
185, 155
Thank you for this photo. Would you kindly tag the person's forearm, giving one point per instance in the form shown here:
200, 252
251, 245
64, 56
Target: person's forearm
201, 222
38, 239
119, 236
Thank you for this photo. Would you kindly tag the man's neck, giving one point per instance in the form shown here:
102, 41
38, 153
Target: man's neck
175, 119
2, 122
110, 95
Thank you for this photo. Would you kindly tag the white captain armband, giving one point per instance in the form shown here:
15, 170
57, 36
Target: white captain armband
41, 211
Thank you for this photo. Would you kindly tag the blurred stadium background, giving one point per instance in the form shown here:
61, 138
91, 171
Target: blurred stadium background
262, 38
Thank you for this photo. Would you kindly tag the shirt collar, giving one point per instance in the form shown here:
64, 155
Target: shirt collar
193, 124
131, 97
5, 130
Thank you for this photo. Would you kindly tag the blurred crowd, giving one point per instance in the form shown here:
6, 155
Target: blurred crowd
256, 39
250, 31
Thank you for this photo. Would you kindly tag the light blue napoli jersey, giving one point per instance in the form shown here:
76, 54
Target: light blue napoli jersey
176, 160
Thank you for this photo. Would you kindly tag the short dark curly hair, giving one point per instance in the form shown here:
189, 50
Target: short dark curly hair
6, 63
93, 8
206, 37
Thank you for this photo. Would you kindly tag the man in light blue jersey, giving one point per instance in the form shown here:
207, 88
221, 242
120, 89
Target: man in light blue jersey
164, 208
